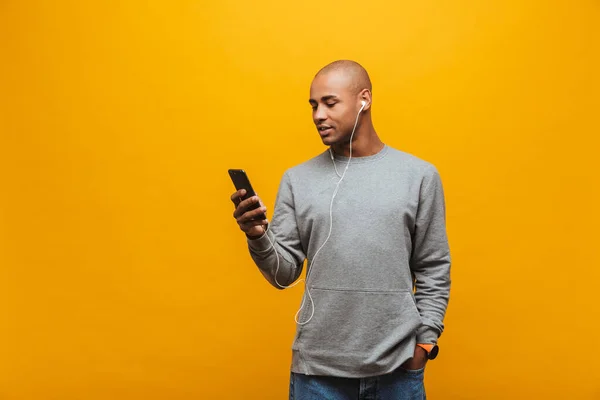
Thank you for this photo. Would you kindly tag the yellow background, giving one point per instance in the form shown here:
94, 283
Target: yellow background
123, 274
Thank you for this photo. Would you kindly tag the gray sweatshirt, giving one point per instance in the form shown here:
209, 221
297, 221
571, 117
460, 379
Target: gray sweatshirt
381, 283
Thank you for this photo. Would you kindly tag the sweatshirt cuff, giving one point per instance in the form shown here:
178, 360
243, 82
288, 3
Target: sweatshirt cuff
261, 244
427, 335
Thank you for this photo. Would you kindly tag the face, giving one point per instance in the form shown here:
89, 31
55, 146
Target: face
334, 106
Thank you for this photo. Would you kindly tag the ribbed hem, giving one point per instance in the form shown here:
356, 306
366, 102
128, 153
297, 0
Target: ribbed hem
261, 244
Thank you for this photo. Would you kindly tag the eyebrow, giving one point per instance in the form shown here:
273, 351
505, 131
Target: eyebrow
324, 98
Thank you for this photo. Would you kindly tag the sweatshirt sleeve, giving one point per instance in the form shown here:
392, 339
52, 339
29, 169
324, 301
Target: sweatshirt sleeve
283, 266
430, 260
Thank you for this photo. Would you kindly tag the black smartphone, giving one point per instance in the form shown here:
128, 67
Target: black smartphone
241, 181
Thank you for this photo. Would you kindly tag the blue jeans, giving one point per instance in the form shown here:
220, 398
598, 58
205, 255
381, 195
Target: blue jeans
399, 385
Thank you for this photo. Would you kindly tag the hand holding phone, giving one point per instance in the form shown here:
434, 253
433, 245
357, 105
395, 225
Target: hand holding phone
250, 212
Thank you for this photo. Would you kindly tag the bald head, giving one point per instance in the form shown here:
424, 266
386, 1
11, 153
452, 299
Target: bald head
340, 97
355, 75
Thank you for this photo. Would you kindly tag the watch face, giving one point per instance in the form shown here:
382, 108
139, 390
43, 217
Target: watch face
434, 352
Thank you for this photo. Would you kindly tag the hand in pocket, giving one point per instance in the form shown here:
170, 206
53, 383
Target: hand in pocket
418, 361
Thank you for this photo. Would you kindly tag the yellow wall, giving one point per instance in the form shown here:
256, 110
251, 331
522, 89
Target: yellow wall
123, 275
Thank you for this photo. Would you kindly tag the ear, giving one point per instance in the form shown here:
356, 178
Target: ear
365, 95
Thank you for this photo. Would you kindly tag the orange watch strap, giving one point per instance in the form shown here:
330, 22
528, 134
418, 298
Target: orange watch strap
427, 347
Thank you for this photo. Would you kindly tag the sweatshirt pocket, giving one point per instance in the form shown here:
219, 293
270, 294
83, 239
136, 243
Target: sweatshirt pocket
358, 328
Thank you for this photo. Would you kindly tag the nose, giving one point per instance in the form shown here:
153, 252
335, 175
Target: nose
320, 114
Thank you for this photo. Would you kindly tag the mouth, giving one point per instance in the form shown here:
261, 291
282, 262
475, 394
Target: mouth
324, 130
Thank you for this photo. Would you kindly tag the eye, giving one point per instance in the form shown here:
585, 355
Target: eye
330, 105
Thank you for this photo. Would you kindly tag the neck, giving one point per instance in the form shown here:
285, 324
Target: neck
366, 142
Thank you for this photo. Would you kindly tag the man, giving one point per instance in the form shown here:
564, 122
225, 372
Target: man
370, 220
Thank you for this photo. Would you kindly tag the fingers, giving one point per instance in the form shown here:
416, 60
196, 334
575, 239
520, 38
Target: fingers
246, 205
248, 202
257, 214
246, 226
237, 196
250, 212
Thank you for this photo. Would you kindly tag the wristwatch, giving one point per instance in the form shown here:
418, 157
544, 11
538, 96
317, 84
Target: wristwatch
431, 349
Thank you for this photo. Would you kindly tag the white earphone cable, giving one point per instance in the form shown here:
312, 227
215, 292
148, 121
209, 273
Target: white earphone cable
310, 267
